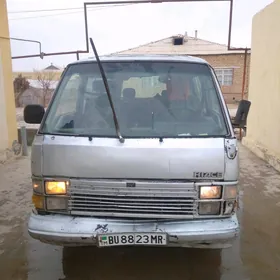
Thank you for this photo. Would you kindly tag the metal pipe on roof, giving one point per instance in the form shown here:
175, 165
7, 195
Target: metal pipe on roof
230, 23
41, 55
148, 1
244, 73
168, 1
49, 54
243, 83
230, 30
26, 40
86, 27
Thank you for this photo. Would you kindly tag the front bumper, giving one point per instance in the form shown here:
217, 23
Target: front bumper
81, 231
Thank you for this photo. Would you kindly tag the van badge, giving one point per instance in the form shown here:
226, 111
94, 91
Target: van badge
216, 175
130, 185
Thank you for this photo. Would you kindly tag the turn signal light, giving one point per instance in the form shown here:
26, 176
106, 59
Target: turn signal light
38, 201
37, 186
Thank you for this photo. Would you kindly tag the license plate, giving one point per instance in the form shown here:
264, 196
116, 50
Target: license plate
125, 239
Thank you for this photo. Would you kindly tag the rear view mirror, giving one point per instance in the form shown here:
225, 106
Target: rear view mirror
240, 119
33, 113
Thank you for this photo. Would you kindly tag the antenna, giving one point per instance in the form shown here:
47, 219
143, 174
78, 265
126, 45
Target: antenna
121, 139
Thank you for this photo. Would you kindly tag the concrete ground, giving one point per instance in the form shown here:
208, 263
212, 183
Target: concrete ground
254, 256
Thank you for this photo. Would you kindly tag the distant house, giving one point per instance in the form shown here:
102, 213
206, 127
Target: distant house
228, 65
36, 94
57, 71
52, 68
30, 96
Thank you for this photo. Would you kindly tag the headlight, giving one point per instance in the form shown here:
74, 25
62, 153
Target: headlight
210, 192
56, 203
209, 208
55, 187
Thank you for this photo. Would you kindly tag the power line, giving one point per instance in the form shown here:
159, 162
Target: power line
82, 9
64, 9
48, 10
58, 14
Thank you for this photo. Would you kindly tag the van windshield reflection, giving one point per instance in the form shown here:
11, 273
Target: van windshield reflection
151, 99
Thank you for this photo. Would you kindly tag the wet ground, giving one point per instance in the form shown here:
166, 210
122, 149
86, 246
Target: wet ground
255, 255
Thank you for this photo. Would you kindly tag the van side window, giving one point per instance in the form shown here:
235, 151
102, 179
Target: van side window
68, 101
197, 88
66, 104
211, 97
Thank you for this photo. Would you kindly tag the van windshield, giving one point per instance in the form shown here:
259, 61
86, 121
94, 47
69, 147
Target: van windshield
151, 99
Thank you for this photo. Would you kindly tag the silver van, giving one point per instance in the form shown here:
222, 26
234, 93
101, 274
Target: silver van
153, 162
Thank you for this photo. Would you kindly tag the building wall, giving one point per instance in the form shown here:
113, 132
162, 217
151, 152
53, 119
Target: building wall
35, 96
216, 54
235, 61
30, 96
8, 127
263, 135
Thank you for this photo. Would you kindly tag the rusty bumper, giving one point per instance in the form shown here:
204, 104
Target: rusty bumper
81, 231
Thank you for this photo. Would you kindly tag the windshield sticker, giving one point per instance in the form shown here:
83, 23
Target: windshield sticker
208, 175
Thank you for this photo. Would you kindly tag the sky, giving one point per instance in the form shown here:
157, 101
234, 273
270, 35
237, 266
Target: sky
115, 28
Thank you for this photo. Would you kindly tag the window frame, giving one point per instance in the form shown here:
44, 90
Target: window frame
223, 75
62, 83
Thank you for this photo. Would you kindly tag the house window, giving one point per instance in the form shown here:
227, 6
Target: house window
225, 76
178, 41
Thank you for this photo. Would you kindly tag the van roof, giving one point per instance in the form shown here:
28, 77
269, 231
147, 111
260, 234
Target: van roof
141, 57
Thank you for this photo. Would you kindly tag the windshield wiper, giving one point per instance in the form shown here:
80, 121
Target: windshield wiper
121, 139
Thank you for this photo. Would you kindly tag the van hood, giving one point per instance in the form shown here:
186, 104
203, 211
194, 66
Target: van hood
107, 158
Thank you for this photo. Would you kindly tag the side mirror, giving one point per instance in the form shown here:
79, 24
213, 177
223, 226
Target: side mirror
240, 119
33, 113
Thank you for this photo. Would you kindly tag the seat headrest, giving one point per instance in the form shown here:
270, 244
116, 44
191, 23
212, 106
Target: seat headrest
129, 93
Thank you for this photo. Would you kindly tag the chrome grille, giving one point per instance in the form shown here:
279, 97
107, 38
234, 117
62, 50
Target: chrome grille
146, 200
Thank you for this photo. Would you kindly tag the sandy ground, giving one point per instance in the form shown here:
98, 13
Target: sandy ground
254, 256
